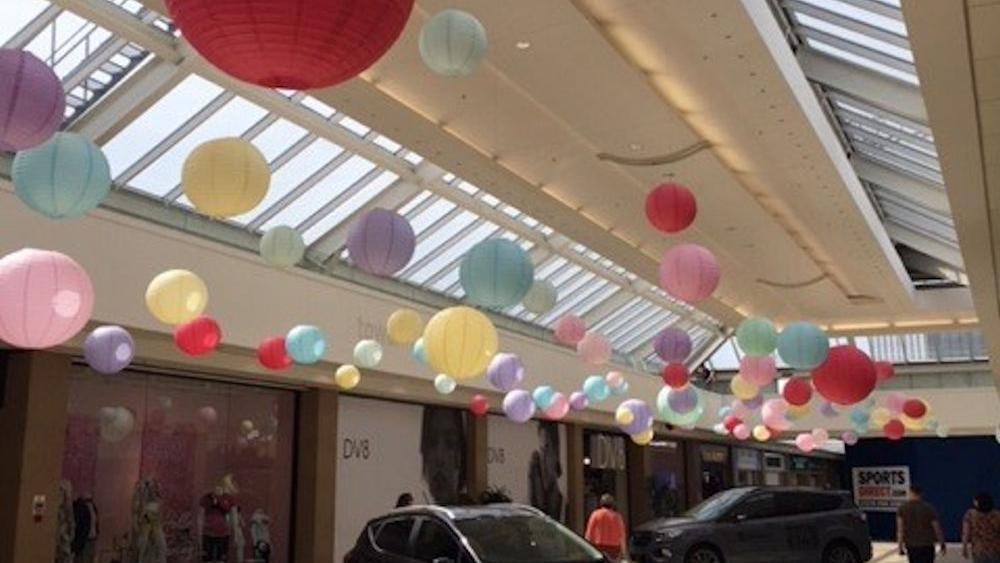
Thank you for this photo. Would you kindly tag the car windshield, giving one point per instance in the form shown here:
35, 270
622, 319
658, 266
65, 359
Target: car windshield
523, 538
716, 505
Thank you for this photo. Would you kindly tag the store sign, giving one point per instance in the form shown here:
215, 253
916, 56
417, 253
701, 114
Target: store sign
881, 489
607, 452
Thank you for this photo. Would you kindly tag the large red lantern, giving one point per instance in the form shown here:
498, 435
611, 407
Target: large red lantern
198, 337
884, 371
271, 354
846, 377
294, 44
670, 208
797, 391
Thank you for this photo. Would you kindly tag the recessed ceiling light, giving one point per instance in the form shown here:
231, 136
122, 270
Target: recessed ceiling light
522, 45
635, 146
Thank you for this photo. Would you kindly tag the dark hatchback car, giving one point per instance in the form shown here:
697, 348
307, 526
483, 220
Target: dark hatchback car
759, 525
498, 533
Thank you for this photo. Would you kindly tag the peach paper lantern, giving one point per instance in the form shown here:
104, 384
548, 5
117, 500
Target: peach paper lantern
570, 329
689, 272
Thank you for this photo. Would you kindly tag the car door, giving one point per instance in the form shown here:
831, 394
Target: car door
392, 540
749, 532
799, 512
434, 542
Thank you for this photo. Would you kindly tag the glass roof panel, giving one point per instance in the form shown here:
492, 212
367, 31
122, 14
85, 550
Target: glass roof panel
332, 186
861, 15
870, 64
332, 220
861, 39
17, 15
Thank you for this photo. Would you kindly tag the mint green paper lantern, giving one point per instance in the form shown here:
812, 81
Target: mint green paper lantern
757, 337
496, 273
64, 178
541, 298
453, 43
282, 247
803, 346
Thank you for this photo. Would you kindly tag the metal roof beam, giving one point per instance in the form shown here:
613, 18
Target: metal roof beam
120, 22
929, 246
925, 193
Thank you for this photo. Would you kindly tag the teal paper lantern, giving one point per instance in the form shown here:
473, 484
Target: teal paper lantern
803, 346
453, 43
64, 178
757, 337
418, 352
305, 344
496, 273
596, 389
282, 247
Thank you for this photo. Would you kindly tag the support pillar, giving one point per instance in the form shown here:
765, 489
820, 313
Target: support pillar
576, 520
316, 476
477, 454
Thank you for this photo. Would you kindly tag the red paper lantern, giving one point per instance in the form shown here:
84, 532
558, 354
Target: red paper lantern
797, 391
731, 422
671, 208
915, 408
675, 375
293, 44
894, 429
846, 377
198, 337
271, 354
884, 371
479, 405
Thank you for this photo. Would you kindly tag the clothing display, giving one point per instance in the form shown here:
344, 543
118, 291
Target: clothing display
260, 535
86, 529
147, 542
65, 524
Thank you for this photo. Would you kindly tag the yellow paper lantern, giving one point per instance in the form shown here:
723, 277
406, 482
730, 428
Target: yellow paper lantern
913, 423
880, 416
460, 342
795, 413
761, 433
644, 437
176, 297
404, 326
624, 416
742, 388
347, 377
225, 177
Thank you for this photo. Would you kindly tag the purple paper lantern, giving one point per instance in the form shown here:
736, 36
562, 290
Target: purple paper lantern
32, 102
518, 405
381, 242
108, 349
672, 345
683, 400
755, 403
578, 400
642, 417
505, 372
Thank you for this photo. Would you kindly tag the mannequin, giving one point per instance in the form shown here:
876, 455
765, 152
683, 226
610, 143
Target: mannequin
260, 535
65, 524
87, 528
215, 521
147, 542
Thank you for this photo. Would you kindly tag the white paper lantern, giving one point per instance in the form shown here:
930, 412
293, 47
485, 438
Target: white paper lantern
282, 247
453, 43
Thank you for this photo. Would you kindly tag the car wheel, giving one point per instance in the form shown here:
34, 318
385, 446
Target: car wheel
703, 554
840, 553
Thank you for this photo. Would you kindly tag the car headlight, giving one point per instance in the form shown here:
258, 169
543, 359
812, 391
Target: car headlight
668, 535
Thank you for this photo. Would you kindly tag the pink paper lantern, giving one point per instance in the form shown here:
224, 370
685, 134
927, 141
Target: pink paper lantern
689, 272
741, 431
894, 402
45, 298
759, 370
570, 329
594, 349
805, 442
557, 408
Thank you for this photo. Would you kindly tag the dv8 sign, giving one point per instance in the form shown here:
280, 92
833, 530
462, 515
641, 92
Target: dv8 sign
881, 489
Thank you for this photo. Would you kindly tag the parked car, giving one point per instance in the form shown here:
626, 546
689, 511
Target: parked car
759, 525
505, 533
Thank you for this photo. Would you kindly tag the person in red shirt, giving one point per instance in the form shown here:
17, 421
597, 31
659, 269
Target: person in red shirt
606, 530
213, 525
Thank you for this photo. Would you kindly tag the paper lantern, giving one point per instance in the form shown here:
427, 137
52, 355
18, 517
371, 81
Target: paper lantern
444, 384
541, 297
910, 423
894, 401
623, 416
670, 208
558, 408
225, 177
367, 354
675, 375
915, 408
115, 423
730, 422
739, 409
614, 379
796, 412
942, 431
594, 349
208, 415
108, 349
643, 438
282, 246
271, 354
849, 437
774, 415
596, 389
682, 400
32, 101
198, 337
418, 351
672, 345
670, 416
742, 388
460, 342
543, 395
518, 405
291, 44
827, 410
641, 418
689, 272
761, 433
479, 405
305, 344
64, 178
846, 377
570, 329
759, 370
452, 43
894, 430
754, 403
805, 442
884, 371
756, 336
797, 391
858, 417
820, 436
404, 326
381, 242
505, 372
879, 417
347, 377
45, 298
619, 391
496, 273
578, 401
176, 296
803, 346
741, 432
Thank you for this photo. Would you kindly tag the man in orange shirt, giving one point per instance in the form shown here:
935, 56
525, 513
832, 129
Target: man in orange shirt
606, 530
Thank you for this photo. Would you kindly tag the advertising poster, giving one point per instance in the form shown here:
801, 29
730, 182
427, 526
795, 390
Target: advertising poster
527, 461
880, 489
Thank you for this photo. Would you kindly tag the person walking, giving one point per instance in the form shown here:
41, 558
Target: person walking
917, 528
981, 531
606, 530
404, 500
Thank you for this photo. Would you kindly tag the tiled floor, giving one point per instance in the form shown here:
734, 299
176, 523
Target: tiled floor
886, 553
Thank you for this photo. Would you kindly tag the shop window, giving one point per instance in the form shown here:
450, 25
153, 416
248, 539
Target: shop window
757, 506
434, 541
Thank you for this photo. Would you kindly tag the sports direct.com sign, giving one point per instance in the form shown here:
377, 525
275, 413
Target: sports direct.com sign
881, 489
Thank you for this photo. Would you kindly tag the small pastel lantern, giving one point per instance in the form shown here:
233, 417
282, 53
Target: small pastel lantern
683, 400
479, 405
803, 346
756, 336
45, 298
805, 442
570, 329
32, 101
460, 342
381, 242
689, 272
271, 354
894, 401
623, 416
797, 391
672, 345
305, 344
846, 377
367, 354
675, 375
884, 371
880, 416
541, 298
198, 337
742, 388
620, 390
774, 415
578, 401
670, 208
859, 417
558, 408
282, 247
518, 405
596, 389
115, 423
615, 379
683, 420
759, 370
225, 177
108, 349
643, 438
496, 273
754, 403
543, 395
176, 296
731, 422
795, 412
827, 410
742, 431
894, 430
453, 43
505, 372
641, 418
444, 384
404, 327
761, 433
849, 437
942, 431
347, 377
418, 351
820, 436
64, 178
915, 408
594, 349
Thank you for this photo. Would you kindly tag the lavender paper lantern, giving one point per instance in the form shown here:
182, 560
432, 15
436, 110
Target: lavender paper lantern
642, 416
381, 242
45, 298
683, 400
32, 102
505, 372
108, 349
689, 272
518, 405
672, 345
578, 401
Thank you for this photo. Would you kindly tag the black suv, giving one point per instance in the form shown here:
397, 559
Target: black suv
759, 525
504, 533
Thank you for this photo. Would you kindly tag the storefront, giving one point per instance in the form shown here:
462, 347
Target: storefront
808, 472
605, 470
662, 491
715, 472
527, 463
775, 469
747, 467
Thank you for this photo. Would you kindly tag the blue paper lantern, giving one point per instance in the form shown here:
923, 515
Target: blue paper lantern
64, 178
543, 395
596, 389
803, 346
496, 273
305, 344
418, 351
